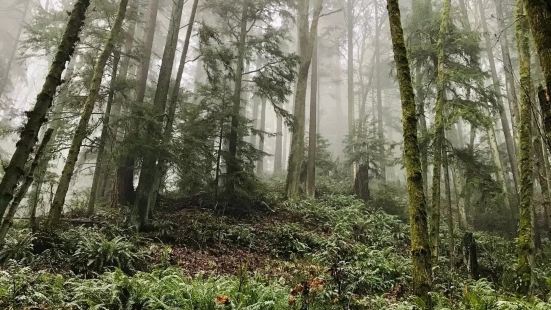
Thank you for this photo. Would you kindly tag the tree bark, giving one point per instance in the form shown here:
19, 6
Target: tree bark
82, 127
420, 250
307, 36
16, 168
313, 122
525, 233
539, 16
145, 189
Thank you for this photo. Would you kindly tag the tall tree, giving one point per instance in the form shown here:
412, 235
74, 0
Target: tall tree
313, 124
101, 160
420, 250
82, 127
378, 77
144, 191
306, 39
125, 169
439, 126
525, 233
16, 168
233, 165
350, 63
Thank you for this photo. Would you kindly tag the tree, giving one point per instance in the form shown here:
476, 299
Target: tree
126, 162
439, 126
313, 124
16, 168
539, 16
82, 127
525, 233
154, 125
420, 250
306, 39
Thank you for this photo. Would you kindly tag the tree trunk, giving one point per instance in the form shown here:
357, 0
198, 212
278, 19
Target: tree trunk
233, 165
82, 127
508, 66
313, 130
125, 169
278, 156
16, 168
260, 165
101, 160
144, 191
439, 125
8, 218
380, 122
107, 180
525, 233
11, 59
361, 182
449, 218
420, 250
350, 64
500, 171
307, 38
539, 16
470, 254
509, 142
172, 105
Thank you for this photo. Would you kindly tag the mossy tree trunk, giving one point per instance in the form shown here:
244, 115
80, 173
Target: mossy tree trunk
539, 16
439, 125
36, 118
525, 233
82, 127
420, 250
307, 36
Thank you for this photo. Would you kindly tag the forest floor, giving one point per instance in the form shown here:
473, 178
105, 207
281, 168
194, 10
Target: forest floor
333, 252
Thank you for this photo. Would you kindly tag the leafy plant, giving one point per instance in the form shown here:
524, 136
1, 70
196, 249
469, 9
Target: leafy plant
98, 252
18, 246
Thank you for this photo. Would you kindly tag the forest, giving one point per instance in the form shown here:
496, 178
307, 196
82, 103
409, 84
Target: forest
275, 154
